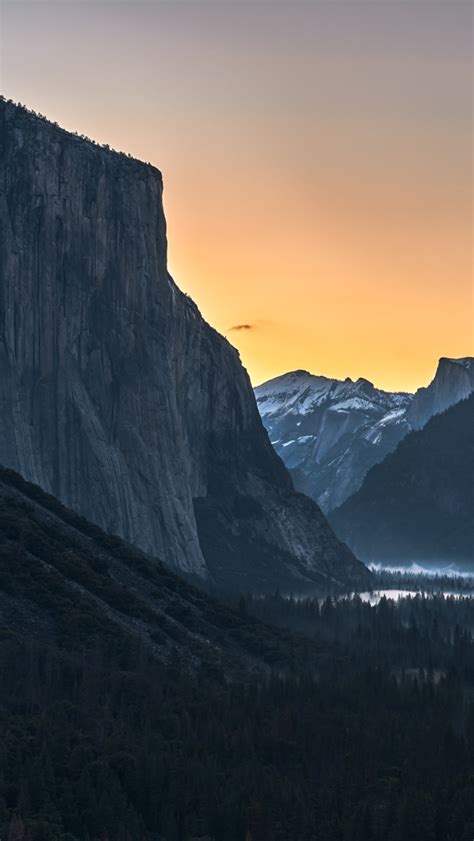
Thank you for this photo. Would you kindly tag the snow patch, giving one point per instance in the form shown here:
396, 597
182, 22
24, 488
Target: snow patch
390, 417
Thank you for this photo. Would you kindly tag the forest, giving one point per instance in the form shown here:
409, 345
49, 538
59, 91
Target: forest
100, 741
136, 707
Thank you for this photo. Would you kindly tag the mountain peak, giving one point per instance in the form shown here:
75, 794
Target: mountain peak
463, 361
362, 381
453, 380
300, 372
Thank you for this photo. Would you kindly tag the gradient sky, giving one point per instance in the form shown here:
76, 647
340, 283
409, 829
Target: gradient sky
316, 156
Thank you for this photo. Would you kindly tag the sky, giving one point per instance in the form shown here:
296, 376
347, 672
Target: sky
316, 156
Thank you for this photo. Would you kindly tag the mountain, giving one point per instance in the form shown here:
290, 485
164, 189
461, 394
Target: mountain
453, 381
115, 395
418, 504
330, 433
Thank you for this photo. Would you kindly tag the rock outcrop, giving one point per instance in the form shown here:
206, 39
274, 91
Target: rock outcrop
115, 395
453, 381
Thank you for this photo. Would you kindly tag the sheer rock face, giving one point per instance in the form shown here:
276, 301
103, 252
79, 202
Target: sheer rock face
115, 395
453, 381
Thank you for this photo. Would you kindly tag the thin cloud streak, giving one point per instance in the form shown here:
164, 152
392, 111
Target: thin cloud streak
238, 327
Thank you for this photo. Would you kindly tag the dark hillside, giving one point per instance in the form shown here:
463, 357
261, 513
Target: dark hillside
64, 581
418, 504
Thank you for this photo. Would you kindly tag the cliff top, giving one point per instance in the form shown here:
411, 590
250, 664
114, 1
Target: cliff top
17, 111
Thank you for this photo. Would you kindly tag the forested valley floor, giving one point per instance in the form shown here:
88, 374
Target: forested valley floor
102, 742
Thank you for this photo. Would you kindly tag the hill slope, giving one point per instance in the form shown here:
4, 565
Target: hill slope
65, 582
418, 505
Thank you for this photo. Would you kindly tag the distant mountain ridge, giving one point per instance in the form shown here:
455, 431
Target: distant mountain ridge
331, 432
418, 504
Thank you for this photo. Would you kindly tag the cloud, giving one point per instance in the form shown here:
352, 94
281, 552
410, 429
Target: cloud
242, 327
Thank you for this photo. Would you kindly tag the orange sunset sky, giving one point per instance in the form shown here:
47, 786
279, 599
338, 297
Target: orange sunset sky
317, 162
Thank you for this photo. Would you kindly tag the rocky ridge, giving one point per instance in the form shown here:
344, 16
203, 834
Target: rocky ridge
330, 432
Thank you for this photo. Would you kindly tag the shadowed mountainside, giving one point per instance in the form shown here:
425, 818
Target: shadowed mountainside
418, 504
65, 582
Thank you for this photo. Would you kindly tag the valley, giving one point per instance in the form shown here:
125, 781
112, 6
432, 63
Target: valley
226, 614
137, 706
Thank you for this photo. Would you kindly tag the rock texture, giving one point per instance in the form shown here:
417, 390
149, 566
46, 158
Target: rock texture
418, 504
115, 395
330, 433
453, 381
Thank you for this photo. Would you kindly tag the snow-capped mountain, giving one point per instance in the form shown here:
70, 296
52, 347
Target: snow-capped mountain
330, 432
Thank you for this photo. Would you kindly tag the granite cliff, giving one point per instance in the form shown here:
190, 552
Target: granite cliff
115, 395
453, 381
